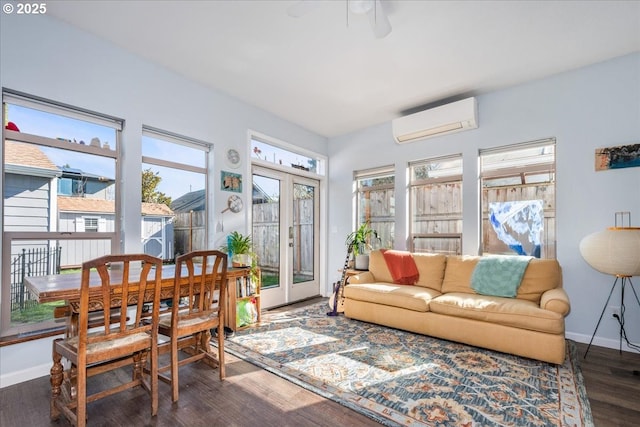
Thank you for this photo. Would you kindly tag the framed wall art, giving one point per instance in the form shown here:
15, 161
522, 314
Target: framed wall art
230, 181
623, 156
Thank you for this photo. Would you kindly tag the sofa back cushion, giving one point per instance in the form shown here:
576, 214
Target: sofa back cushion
540, 276
378, 267
457, 276
431, 268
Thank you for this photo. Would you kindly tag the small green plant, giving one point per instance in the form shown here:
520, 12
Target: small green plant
238, 243
362, 238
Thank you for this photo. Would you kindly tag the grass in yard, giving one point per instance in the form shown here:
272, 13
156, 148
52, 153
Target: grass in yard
35, 312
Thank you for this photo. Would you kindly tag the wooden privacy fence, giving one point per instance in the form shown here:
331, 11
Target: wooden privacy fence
437, 217
189, 231
266, 237
544, 192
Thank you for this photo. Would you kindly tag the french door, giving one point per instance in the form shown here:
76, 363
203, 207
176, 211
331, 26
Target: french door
285, 212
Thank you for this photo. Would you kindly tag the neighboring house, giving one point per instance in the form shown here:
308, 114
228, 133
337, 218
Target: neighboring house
29, 189
29, 202
81, 214
75, 182
39, 196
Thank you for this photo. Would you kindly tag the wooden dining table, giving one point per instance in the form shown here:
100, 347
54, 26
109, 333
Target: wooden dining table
57, 287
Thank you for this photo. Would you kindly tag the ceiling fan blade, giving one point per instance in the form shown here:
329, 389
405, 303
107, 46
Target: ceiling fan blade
379, 21
302, 7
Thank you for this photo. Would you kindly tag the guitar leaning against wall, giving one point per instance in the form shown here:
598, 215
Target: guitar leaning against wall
336, 300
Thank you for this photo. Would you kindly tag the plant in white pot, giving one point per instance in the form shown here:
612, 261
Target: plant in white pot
240, 249
362, 240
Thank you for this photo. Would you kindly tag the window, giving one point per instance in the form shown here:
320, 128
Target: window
174, 183
90, 224
59, 178
375, 201
436, 205
293, 157
518, 199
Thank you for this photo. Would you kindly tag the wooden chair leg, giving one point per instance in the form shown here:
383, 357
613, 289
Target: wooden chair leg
81, 397
139, 360
154, 380
221, 351
174, 369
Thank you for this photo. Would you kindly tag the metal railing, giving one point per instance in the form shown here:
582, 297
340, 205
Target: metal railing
31, 262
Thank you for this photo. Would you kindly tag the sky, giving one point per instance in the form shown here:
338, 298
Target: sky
174, 183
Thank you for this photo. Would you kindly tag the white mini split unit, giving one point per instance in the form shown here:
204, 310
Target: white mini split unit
449, 118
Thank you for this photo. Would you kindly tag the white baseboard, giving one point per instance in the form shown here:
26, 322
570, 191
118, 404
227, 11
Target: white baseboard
24, 375
600, 342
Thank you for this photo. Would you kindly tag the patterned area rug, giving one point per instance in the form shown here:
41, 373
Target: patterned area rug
402, 379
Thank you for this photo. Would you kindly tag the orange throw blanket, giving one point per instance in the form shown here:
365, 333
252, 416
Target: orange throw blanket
401, 266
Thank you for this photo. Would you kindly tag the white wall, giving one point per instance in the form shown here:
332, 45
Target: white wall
593, 107
47, 58
596, 106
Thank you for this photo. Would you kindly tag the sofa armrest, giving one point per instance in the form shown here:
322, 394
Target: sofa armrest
364, 277
556, 300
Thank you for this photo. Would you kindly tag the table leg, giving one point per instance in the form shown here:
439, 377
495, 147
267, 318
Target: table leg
56, 376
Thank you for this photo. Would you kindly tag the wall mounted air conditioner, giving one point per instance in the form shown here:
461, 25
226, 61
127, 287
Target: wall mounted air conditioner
449, 118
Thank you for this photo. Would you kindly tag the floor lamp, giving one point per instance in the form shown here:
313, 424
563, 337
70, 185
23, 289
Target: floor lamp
615, 251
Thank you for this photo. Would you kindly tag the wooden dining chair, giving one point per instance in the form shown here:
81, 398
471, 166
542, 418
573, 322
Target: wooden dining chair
196, 309
120, 286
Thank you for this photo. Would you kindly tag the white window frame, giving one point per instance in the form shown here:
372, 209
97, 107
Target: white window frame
433, 181
321, 161
205, 147
362, 217
521, 169
18, 98
89, 222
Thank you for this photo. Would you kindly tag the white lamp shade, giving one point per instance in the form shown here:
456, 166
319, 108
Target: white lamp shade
614, 251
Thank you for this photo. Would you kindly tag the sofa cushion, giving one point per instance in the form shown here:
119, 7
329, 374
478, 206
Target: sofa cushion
431, 268
541, 275
378, 267
512, 312
401, 265
411, 297
457, 276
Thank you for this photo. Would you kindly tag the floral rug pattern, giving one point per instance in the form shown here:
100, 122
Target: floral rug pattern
403, 379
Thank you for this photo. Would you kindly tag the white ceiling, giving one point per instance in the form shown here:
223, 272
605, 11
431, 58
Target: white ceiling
326, 71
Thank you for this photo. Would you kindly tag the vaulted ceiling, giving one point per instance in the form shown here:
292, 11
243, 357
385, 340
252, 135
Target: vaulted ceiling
327, 72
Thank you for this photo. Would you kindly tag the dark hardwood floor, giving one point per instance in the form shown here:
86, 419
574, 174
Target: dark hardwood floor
613, 385
250, 396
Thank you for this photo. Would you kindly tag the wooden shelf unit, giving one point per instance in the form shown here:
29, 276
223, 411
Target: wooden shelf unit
240, 288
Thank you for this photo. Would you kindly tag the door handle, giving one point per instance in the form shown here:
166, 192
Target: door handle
290, 236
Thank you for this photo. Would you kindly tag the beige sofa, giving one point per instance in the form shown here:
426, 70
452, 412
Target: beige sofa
442, 304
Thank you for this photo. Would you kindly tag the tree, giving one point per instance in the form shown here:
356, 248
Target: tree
150, 182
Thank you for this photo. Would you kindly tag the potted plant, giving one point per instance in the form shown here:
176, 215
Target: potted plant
240, 249
361, 241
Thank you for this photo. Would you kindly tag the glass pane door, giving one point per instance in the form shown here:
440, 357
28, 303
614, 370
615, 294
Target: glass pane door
284, 230
266, 231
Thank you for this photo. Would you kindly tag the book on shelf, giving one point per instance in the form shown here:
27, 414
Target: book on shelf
245, 287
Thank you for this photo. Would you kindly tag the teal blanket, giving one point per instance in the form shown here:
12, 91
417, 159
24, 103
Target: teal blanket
499, 276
